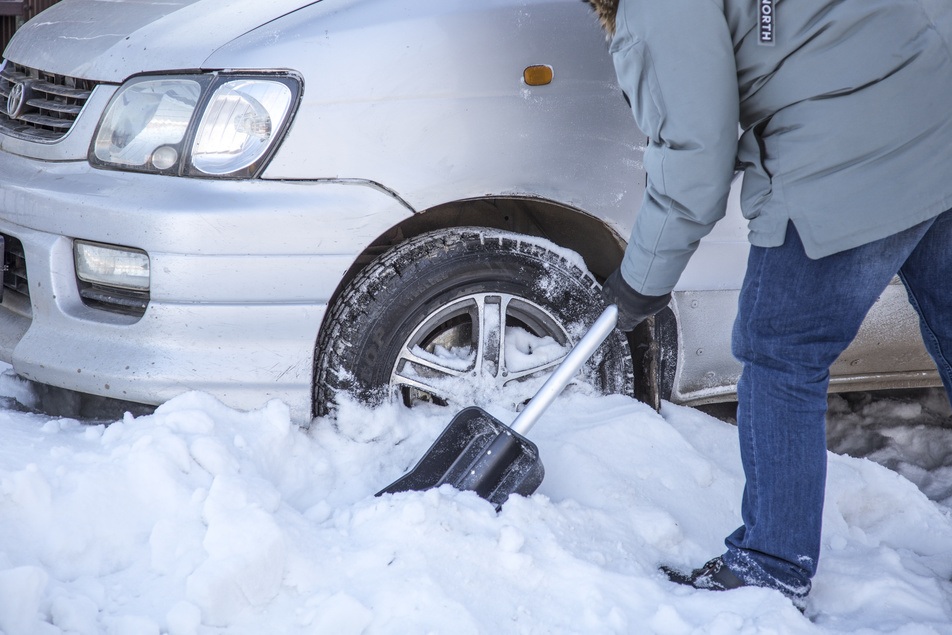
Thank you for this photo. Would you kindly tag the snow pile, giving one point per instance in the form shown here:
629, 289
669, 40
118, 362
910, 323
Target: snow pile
198, 519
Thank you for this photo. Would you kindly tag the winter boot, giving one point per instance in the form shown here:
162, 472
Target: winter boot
713, 576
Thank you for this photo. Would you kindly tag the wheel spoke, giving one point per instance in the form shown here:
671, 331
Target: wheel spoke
519, 374
436, 372
439, 365
429, 386
489, 335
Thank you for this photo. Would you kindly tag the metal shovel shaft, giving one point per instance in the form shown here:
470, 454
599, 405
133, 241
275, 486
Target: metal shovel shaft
566, 370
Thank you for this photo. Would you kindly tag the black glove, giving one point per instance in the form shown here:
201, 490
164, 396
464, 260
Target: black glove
633, 307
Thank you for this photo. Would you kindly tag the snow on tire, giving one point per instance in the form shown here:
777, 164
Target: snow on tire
462, 317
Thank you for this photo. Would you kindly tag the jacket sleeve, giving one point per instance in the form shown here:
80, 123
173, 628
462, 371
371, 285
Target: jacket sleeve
675, 61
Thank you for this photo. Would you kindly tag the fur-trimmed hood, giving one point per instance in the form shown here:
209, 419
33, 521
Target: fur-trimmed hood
606, 10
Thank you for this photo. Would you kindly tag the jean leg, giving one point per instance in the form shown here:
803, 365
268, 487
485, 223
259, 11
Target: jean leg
927, 275
795, 317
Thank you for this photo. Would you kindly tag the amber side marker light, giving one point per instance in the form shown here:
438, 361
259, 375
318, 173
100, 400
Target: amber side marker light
537, 75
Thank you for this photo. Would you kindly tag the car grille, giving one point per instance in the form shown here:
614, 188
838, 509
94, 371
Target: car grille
43, 106
15, 286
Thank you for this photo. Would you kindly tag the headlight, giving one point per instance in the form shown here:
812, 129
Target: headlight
197, 125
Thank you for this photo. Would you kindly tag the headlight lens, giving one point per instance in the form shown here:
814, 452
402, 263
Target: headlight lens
239, 124
197, 125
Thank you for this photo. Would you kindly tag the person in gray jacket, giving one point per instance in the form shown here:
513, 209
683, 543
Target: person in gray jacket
838, 114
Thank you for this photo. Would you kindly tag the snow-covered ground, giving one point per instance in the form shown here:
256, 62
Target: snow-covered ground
199, 519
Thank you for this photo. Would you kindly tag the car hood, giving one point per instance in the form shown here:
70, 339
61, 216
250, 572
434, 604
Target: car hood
109, 40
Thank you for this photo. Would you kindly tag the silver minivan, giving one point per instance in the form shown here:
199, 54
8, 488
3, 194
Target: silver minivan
313, 201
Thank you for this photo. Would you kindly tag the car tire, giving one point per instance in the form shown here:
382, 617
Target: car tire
421, 322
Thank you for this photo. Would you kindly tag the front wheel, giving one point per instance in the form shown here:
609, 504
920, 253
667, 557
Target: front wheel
461, 317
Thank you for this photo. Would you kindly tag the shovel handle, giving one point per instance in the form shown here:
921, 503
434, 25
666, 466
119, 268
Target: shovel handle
565, 371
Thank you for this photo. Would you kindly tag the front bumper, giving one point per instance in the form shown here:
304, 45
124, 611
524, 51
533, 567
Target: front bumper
241, 273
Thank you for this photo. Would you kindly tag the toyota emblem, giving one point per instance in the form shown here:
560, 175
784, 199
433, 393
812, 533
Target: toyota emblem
16, 100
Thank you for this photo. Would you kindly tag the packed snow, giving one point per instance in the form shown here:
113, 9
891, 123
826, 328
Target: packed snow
197, 519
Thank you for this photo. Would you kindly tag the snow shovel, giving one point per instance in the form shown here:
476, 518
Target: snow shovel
478, 452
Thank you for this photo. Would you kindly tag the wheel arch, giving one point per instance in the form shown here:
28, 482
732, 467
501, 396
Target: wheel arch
599, 245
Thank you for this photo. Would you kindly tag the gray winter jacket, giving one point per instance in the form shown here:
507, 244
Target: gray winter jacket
845, 108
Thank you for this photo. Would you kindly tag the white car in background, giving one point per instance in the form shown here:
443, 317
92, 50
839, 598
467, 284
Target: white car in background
290, 199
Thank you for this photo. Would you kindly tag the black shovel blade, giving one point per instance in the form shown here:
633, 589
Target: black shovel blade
477, 452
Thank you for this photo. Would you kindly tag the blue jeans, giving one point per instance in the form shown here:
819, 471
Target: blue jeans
795, 317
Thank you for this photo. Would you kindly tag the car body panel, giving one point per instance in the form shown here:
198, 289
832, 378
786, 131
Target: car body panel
468, 125
887, 352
